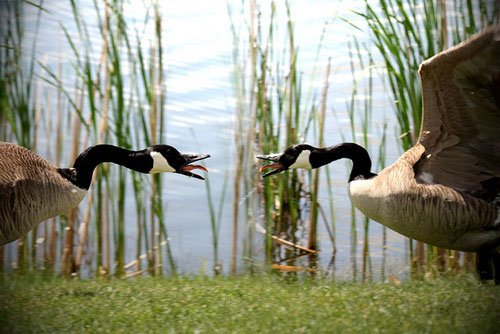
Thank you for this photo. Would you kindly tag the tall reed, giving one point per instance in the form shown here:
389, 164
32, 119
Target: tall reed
216, 221
363, 129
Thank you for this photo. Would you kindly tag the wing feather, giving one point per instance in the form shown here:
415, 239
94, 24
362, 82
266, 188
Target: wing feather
461, 116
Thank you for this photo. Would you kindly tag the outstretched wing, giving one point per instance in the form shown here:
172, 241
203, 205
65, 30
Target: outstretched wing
461, 117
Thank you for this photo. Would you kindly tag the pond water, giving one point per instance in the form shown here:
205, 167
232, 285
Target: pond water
201, 112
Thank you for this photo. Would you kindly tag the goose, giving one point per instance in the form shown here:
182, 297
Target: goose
445, 190
33, 189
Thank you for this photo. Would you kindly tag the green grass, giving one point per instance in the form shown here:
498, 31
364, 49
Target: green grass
247, 304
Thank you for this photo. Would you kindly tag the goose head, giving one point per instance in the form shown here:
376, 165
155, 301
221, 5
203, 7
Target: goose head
297, 156
167, 159
310, 157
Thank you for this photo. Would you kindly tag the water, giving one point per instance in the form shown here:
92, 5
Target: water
201, 106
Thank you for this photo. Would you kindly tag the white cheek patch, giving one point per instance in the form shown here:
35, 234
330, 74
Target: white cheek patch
160, 164
302, 160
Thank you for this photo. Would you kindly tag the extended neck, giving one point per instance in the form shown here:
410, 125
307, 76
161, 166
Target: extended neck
361, 162
88, 160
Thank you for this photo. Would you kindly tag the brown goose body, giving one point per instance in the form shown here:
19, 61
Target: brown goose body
30, 191
432, 213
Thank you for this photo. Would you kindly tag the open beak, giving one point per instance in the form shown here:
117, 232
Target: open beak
187, 168
276, 166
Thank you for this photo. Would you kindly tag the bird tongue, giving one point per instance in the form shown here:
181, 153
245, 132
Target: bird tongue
270, 166
192, 167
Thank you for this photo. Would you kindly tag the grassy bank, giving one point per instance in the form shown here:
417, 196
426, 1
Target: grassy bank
247, 304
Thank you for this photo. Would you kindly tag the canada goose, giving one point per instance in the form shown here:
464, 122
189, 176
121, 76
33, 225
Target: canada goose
33, 190
445, 190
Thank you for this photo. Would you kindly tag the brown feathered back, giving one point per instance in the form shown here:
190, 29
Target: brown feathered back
461, 117
31, 191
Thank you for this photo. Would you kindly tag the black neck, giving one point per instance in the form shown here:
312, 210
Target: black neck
361, 162
88, 160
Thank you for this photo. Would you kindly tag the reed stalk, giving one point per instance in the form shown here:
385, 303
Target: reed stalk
215, 221
313, 216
